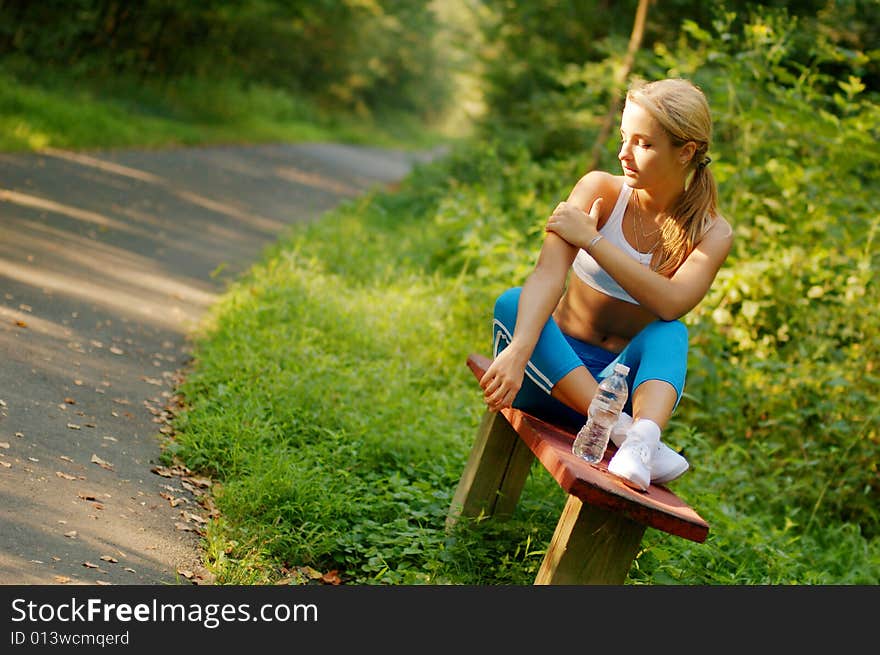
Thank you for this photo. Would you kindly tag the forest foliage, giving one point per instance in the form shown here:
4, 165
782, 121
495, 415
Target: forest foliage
780, 418
357, 55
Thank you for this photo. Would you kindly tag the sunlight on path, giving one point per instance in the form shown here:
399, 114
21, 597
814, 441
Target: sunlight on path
108, 262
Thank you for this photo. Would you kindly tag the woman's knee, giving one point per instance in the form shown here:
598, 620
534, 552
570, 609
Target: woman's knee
670, 333
507, 303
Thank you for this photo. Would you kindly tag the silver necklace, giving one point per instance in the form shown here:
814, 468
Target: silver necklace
639, 228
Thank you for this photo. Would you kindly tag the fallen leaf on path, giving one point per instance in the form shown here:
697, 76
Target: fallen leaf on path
102, 463
21, 324
71, 534
66, 458
116, 351
129, 569
183, 527
109, 558
62, 579
70, 401
164, 471
185, 573
208, 503
74, 426
171, 471
5, 465
4, 444
174, 502
189, 516
89, 565
65, 476
103, 583
19, 434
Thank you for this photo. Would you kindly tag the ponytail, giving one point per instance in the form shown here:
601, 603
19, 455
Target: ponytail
681, 108
688, 218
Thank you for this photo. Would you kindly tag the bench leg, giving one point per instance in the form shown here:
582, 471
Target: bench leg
590, 546
495, 473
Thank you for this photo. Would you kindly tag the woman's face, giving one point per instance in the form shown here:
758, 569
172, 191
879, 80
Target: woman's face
647, 155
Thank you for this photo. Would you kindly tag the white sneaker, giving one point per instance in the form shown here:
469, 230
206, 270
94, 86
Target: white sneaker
666, 464
632, 462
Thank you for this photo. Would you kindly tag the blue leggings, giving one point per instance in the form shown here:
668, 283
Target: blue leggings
658, 352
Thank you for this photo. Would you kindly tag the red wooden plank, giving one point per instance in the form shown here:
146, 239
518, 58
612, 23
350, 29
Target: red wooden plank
658, 507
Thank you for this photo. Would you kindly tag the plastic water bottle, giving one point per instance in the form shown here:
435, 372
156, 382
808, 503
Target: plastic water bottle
605, 408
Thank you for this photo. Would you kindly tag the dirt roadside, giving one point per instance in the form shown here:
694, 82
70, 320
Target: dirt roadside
107, 262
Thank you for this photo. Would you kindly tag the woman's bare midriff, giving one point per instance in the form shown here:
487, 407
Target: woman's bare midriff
596, 318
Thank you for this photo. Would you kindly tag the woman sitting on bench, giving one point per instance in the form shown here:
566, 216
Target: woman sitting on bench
645, 247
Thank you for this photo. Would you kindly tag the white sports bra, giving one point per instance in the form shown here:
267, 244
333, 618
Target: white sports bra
588, 269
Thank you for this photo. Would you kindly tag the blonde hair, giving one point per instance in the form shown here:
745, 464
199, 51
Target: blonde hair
680, 107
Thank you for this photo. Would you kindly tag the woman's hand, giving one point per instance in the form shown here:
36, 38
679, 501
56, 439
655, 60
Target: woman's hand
503, 379
573, 225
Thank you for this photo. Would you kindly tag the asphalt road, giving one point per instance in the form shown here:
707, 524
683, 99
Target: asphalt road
107, 262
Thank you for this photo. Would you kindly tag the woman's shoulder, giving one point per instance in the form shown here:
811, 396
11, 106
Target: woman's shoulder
596, 184
717, 236
602, 180
719, 228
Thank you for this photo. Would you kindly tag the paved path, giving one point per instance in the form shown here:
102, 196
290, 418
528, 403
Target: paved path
107, 261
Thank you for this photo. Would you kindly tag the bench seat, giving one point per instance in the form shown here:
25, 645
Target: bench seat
600, 530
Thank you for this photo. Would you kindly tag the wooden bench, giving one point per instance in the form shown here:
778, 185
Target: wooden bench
601, 527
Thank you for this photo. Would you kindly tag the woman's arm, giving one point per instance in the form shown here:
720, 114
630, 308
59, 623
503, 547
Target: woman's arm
667, 298
673, 297
540, 294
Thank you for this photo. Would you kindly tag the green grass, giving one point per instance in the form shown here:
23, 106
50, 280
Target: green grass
339, 426
46, 108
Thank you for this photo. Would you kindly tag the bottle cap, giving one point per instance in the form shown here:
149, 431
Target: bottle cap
623, 369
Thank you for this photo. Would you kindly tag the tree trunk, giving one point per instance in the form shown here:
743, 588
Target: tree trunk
635, 42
